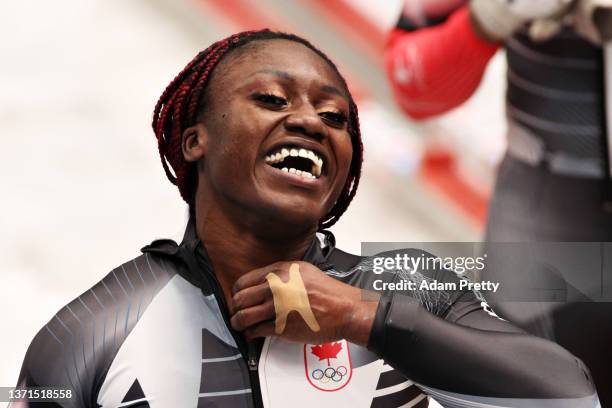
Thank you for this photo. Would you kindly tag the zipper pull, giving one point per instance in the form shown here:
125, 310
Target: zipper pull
252, 356
252, 364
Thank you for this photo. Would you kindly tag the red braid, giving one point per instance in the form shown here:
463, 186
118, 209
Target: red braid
180, 104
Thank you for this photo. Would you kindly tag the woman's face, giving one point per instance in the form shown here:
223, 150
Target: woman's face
277, 144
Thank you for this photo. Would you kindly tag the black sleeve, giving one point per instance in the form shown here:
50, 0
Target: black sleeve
470, 355
47, 364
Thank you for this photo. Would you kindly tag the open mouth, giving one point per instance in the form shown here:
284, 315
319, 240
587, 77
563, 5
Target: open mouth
299, 161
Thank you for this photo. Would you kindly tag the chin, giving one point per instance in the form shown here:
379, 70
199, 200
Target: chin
295, 217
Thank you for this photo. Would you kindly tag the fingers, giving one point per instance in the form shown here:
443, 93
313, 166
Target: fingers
251, 296
264, 329
256, 276
245, 318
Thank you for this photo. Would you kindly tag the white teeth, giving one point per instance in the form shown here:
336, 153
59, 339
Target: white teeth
300, 173
316, 169
280, 155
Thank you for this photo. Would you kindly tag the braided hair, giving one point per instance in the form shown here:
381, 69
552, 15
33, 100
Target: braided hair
182, 101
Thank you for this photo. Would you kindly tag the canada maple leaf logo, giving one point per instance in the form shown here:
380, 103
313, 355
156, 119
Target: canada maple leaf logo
326, 351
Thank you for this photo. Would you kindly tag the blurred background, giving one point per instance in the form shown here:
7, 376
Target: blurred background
82, 186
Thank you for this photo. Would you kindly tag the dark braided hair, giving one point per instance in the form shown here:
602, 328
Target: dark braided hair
181, 103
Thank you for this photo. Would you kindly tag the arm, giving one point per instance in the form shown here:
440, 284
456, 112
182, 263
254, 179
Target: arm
46, 364
446, 342
434, 69
451, 343
477, 357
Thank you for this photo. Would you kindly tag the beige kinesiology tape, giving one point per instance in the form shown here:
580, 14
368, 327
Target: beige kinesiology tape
291, 296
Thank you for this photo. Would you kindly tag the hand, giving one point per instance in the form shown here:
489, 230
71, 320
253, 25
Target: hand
320, 309
496, 20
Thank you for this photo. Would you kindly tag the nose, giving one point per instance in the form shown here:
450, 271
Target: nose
307, 122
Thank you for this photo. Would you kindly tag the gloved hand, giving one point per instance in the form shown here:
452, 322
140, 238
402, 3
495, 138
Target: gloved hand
593, 20
499, 19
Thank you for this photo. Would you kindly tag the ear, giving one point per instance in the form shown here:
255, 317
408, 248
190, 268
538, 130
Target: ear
194, 142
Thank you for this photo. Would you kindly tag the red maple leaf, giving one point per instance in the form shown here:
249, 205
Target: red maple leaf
326, 351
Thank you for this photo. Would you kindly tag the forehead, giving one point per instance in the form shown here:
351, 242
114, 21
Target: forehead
275, 55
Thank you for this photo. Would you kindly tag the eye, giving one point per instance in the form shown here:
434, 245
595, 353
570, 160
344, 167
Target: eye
335, 118
271, 100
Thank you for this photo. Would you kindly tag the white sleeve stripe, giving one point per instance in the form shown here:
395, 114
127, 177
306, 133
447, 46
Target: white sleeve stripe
455, 400
392, 389
224, 393
414, 401
128, 403
220, 359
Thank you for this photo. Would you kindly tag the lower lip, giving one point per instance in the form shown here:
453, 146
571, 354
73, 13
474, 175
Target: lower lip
295, 179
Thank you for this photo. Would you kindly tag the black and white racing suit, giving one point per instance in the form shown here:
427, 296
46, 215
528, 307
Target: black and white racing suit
155, 332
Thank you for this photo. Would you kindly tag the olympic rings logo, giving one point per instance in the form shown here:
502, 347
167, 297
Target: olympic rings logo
329, 374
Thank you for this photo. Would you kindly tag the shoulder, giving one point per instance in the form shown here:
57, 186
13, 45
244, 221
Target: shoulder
438, 288
381, 263
75, 348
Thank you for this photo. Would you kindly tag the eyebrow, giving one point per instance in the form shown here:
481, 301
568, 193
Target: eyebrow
333, 90
282, 74
274, 72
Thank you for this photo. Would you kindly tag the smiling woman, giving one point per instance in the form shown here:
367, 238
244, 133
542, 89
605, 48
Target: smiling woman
256, 95
256, 306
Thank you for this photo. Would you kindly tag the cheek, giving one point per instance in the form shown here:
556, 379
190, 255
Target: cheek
236, 144
344, 151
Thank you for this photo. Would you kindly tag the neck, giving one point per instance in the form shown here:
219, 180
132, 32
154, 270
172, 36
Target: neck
235, 248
